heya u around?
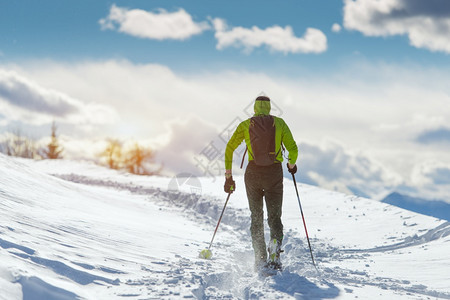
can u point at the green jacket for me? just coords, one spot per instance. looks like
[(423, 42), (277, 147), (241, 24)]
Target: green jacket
[(282, 135)]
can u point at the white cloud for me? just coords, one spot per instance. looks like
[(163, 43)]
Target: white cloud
[(431, 172), (377, 109), (275, 38), (426, 24), (430, 179), (383, 104), (148, 95), (331, 165), (336, 27), (21, 98), (180, 25), (185, 141), (158, 25), (23, 93)]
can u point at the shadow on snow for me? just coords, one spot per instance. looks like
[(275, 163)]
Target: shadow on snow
[(300, 287)]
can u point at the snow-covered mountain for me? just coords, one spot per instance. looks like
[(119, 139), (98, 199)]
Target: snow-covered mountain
[(435, 208), (73, 230)]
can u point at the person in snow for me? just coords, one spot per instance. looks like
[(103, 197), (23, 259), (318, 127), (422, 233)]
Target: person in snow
[(264, 136)]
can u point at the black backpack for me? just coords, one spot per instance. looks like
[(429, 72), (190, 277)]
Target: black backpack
[(262, 140)]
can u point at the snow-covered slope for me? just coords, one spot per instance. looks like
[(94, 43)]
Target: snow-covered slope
[(73, 230)]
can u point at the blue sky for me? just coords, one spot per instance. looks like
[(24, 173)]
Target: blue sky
[(70, 31), (363, 84)]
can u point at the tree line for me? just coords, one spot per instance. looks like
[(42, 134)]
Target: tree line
[(136, 159), (20, 145)]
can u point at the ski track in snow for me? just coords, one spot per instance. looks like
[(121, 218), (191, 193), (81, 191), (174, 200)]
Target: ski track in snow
[(136, 275)]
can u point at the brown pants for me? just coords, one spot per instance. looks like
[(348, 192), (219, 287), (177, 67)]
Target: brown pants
[(264, 182)]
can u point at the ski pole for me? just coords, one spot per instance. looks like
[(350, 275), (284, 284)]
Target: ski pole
[(218, 222), (207, 252), (304, 223)]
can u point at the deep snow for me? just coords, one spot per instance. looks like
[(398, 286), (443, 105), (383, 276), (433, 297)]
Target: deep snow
[(74, 230)]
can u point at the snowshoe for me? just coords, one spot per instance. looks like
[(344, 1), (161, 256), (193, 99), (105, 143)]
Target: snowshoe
[(274, 261)]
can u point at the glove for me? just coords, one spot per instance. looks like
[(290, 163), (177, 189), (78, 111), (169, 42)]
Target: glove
[(230, 185), (293, 170)]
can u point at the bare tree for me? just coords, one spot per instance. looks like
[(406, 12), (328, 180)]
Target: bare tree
[(20, 146), (138, 159), (113, 153)]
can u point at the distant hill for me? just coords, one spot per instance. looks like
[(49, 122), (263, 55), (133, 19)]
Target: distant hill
[(435, 208)]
